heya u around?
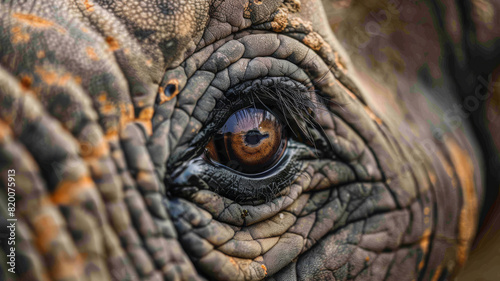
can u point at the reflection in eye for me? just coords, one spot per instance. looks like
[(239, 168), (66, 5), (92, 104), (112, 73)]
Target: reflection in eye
[(251, 141)]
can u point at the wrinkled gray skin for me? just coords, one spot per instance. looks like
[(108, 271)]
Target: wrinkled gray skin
[(106, 107)]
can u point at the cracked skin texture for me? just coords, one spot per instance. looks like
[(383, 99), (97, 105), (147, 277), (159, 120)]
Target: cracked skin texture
[(104, 108)]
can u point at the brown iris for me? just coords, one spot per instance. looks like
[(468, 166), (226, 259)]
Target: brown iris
[(251, 141)]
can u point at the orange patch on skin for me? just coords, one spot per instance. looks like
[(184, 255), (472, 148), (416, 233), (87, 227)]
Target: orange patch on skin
[(18, 36), (88, 6), (314, 41), (340, 62), (111, 135), (67, 190), (280, 20), (146, 113), (145, 117), (46, 230), (421, 264), (432, 178), (47, 76), (233, 262), (68, 267), (52, 78), (112, 43), (353, 96), (127, 114), (247, 11), (64, 78), (469, 213), (300, 23), (95, 152), (107, 108), (33, 20), (4, 131), (161, 92), (372, 115), (36, 21), (91, 53), (437, 273), (102, 97), (367, 259), (424, 240), (265, 269), (143, 176), (447, 167)]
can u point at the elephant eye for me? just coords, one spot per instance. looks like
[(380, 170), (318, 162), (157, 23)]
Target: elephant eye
[(251, 141)]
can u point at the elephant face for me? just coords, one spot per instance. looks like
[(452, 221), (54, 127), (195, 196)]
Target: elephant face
[(222, 140)]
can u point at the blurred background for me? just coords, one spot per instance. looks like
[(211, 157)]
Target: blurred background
[(396, 44)]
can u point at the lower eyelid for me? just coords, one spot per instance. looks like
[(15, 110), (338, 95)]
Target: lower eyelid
[(243, 96), (198, 172)]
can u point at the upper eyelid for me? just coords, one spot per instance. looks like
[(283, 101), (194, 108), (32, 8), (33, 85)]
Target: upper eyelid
[(291, 97)]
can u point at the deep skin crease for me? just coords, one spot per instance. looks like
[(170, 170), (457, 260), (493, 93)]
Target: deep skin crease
[(106, 107)]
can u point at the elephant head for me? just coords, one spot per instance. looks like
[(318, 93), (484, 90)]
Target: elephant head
[(225, 140)]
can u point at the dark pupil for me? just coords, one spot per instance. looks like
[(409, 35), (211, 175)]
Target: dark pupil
[(253, 137)]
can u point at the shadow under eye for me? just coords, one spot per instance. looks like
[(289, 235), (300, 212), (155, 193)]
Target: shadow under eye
[(199, 174)]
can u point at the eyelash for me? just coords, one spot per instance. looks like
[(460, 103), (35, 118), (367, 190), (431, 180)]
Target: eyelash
[(293, 104), (290, 99)]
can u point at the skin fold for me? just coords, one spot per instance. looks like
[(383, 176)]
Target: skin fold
[(106, 108)]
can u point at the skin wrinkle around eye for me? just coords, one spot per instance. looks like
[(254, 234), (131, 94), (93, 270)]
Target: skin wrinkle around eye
[(295, 210), (299, 55), (367, 205), (233, 213)]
